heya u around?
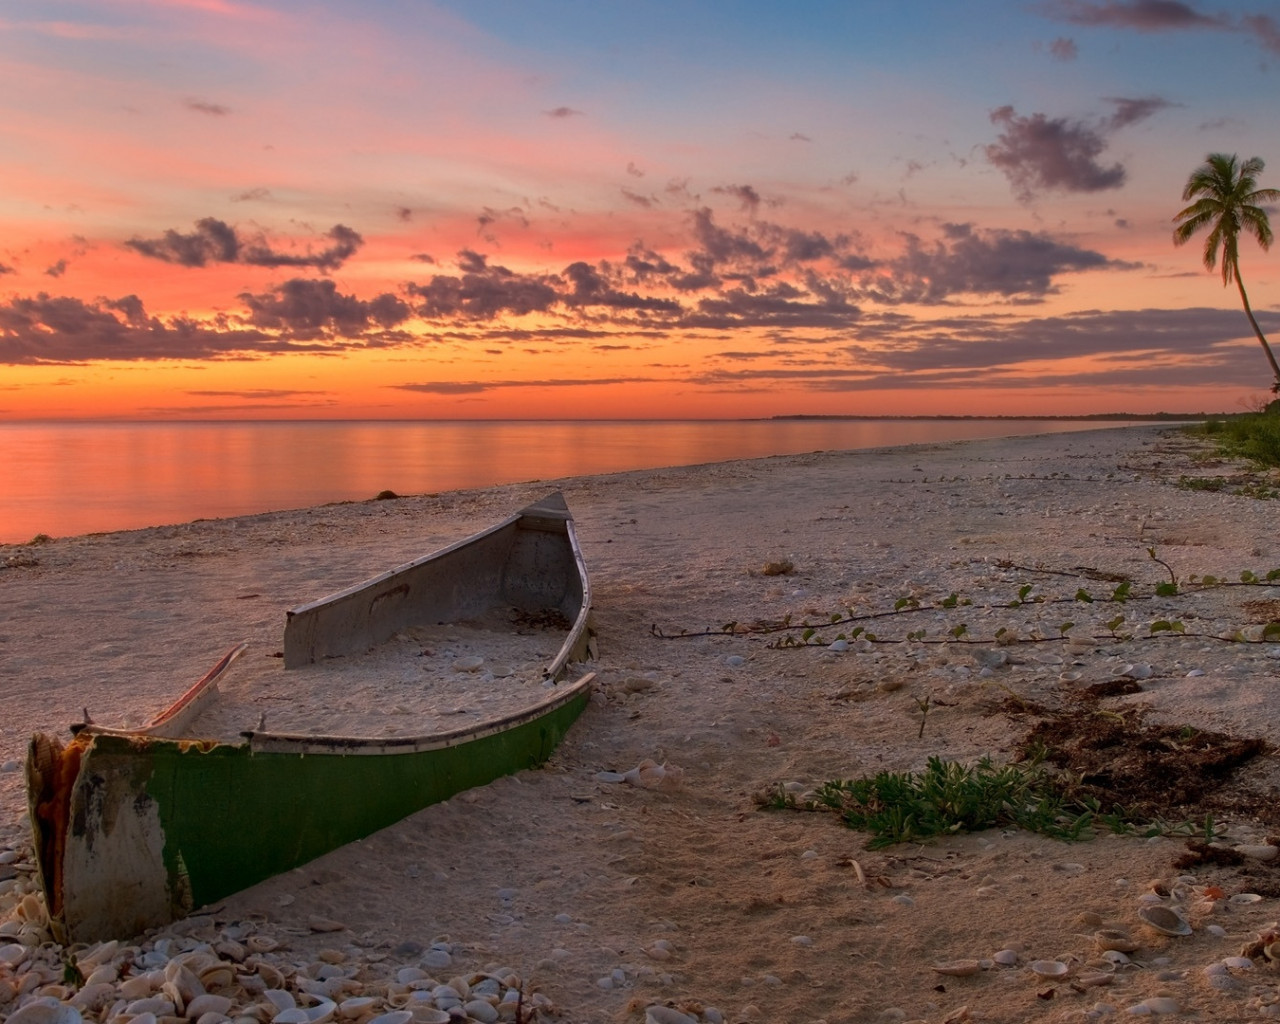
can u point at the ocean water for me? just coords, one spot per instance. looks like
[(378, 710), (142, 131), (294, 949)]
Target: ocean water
[(64, 479)]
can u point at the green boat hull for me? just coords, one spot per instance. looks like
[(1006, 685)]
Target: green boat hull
[(134, 828), (157, 828)]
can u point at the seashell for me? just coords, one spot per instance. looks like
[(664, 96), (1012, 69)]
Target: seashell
[(137, 987), (1165, 920), (183, 981), (633, 775), (393, 1017), (207, 1003), (158, 1005), (1261, 851), (231, 949), (98, 955), (219, 975), (261, 944), (481, 1010), (280, 999), (31, 908), (94, 997), (1114, 956), (170, 992), (270, 975), (1161, 1004), (1244, 898), (321, 1012), (958, 968), (1007, 957), (430, 1015), (1114, 938), (107, 974), (1240, 963), (1049, 968), (1093, 979), (13, 954), (350, 1009), (51, 1012)]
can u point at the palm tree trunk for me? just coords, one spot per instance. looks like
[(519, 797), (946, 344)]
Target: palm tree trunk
[(1275, 367)]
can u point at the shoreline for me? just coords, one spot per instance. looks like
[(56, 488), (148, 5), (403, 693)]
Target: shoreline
[(72, 481), (696, 896)]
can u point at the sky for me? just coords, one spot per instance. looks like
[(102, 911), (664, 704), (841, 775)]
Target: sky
[(262, 209)]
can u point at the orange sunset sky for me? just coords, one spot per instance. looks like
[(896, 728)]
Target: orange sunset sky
[(524, 208)]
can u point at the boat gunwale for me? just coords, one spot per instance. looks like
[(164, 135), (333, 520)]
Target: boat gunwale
[(305, 743)]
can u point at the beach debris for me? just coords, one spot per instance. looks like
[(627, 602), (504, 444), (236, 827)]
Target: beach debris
[(1242, 899), (778, 567), (1115, 938), (959, 968), (648, 774), (1165, 920), (666, 1015), (1049, 968)]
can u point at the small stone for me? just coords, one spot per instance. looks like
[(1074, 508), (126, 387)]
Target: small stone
[(437, 958), (666, 1015), (1161, 1004), (471, 663)]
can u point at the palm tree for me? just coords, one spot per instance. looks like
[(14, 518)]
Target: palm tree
[(1228, 202)]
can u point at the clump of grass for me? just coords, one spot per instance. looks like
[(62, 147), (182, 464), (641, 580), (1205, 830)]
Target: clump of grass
[(385, 496), (1201, 483), (1253, 436), (38, 539), (948, 797)]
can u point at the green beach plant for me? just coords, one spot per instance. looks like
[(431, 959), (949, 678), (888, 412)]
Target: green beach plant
[(1228, 201), (949, 797)]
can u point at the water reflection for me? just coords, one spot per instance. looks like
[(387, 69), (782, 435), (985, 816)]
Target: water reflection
[(71, 478)]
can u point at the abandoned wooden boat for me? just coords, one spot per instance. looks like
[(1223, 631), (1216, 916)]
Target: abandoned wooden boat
[(134, 828)]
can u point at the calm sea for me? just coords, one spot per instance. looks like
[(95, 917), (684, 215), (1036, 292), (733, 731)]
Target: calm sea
[(63, 479)]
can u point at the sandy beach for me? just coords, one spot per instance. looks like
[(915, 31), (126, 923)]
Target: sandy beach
[(609, 898)]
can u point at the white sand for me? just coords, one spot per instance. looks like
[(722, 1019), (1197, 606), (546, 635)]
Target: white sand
[(121, 623)]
